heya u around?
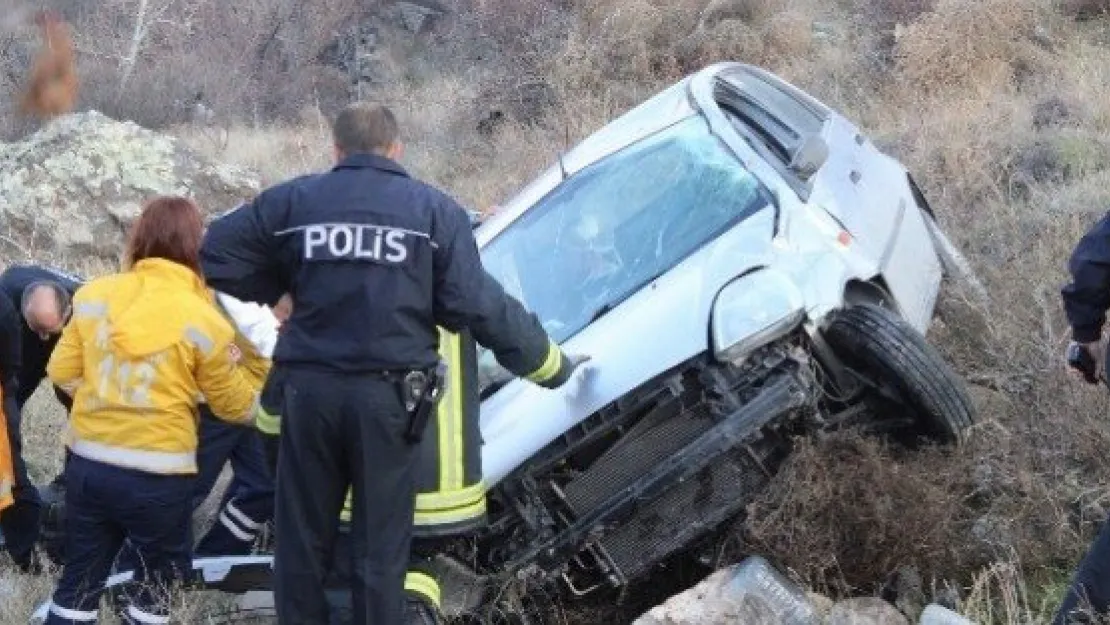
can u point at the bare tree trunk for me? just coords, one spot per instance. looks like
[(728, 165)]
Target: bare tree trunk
[(137, 37)]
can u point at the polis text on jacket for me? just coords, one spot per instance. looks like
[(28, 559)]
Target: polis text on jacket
[(355, 242)]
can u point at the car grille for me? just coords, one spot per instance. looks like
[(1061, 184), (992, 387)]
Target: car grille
[(621, 466), (685, 513)]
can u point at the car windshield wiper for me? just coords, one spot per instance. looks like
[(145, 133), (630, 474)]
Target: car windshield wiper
[(608, 306), (602, 311)]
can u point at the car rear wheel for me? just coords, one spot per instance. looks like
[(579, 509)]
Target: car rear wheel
[(896, 359)]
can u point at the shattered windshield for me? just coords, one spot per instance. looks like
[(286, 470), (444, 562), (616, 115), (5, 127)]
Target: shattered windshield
[(617, 225)]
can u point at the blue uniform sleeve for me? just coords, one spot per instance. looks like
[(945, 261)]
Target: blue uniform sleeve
[(11, 347), (239, 253), (467, 296), (1087, 296)]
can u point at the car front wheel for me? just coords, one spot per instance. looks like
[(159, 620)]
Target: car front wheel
[(904, 372)]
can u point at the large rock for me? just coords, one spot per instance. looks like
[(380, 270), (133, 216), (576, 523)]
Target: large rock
[(71, 189), (752, 592), (865, 611)]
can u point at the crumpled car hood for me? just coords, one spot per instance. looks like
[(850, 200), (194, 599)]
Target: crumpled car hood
[(662, 325)]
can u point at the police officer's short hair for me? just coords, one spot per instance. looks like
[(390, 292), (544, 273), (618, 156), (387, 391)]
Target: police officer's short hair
[(364, 127)]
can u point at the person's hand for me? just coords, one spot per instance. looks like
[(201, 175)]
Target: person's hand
[(282, 310), (234, 353), (577, 360), (1085, 361), (573, 363)]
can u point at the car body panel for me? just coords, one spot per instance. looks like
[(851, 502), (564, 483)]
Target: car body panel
[(522, 417), (667, 321)]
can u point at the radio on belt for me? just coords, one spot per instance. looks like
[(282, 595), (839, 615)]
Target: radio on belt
[(422, 391)]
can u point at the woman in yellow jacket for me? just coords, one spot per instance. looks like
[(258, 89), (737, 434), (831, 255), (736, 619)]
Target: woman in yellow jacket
[(144, 347)]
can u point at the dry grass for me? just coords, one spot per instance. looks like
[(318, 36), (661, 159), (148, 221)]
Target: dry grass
[(1000, 109)]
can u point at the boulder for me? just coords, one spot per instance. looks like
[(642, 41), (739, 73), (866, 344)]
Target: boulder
[(865, 611), (752, 592), (71, 189), (707, 603)]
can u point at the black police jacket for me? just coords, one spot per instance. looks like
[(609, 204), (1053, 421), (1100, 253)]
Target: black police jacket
[(374, 260), (33, 352), (1087, 296), (11, 347)]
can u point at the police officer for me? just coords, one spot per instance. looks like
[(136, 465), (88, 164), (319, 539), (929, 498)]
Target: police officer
[(374, 261), (42, 297), (1086, 299), (451, 497)]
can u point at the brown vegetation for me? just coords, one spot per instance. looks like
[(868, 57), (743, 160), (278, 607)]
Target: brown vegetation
[(999, 107)]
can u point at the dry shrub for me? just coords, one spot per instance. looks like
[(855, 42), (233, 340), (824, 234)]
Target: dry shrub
[(1084, 9), (886, 14), (752, 11), (844, 513), (773, 43), (1083, 76), (275, 153), (960, 149), (965, 45)]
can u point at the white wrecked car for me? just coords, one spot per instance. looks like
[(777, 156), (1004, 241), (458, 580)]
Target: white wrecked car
[(742, 265)]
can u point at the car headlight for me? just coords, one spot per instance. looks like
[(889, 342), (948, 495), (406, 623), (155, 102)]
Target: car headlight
[(752, 311)]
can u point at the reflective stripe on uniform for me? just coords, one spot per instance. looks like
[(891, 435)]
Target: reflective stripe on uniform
[(93, 309), (447, 499), (234, 528), (550, 365), (82, 616), (424, 585), (71, 386), (440, 508), (239, 524), (267, 423), (449, 417), (142, 616), (153, 461), (452, 515), (241, 517)]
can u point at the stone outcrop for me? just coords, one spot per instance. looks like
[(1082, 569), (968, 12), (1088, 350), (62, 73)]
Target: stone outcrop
[(70, 190)]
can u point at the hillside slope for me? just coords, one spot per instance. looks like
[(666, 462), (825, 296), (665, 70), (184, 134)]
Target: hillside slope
[(999, 107)]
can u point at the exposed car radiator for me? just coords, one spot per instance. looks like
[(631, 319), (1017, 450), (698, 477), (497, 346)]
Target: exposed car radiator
[(688, 509), (635, 455), (685, 513)]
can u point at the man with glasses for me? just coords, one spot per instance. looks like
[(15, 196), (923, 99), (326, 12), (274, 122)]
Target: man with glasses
[(42, 299)]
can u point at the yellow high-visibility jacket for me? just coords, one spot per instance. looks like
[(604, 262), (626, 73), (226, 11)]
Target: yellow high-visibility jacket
[(143, 347), (7, 471)]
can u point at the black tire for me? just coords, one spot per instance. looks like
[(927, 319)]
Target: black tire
[(874, 341)]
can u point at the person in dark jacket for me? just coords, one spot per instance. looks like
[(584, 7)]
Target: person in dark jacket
[(1086, 299), (373, 261), (41, 297)]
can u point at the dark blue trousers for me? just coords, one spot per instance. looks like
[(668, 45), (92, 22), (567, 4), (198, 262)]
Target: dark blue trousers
[(248, 502), (1089, 593), (105, 505), (20, 522)]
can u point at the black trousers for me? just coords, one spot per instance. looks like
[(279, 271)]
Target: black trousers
[(1089, 593), (20, 523), (341, 431)]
